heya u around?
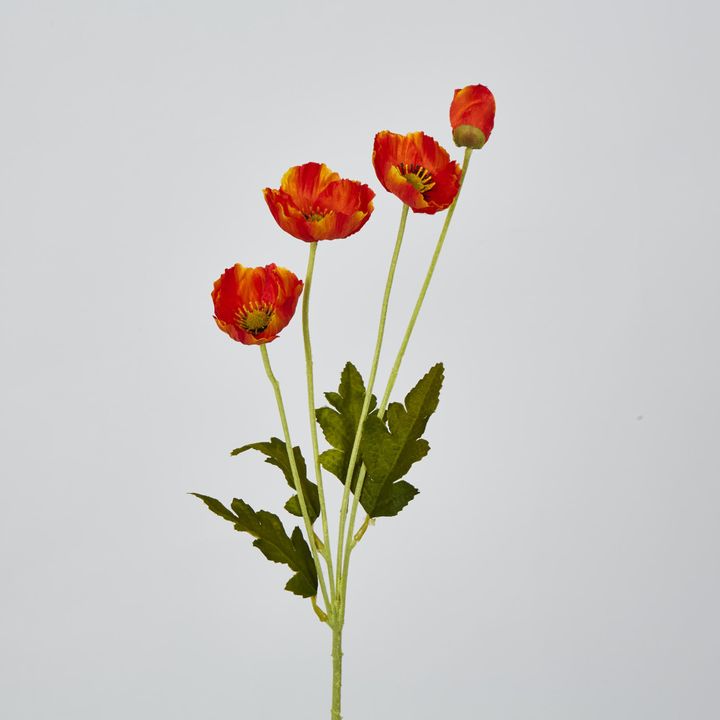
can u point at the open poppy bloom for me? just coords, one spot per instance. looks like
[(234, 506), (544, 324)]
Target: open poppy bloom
[(252, 305), (416, 169), (315, 203), (472, 116)]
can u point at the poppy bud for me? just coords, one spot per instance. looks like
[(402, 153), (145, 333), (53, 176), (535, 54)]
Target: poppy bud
[(472, 115)]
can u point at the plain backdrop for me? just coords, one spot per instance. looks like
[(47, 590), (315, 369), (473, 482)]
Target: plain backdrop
[(562, 559)]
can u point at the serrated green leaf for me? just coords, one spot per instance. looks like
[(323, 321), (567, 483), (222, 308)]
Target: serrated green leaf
[(304, 582), (335, 399), (246, 519), (340, 424), (334, 462), (293, 506), (276, 454), (389, 451), (391, 503), (272, 541), (216, 506)]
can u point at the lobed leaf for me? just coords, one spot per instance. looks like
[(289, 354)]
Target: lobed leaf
[(276, 454), (339, 423), (272, 541), (389, 451)]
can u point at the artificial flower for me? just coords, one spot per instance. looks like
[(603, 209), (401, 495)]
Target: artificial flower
[(314, 203), (416, 169), (252, 305), (472, 116)]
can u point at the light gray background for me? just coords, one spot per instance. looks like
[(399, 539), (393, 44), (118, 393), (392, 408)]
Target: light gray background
[(561, 561)]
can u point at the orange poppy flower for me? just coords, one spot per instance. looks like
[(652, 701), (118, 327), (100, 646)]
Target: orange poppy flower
[(252, 305), (416, 169), (472, 116), (315, 203)]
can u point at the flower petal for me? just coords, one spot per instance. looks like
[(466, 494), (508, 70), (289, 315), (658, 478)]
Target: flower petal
[(399, 157), (447, 184), (305, 182), (240, 289), (314, 203), (287, 215), (474, 106)]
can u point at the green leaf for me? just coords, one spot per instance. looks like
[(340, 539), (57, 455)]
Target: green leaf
[(339, 423), (272, 541), (334, 462), (389, 451), (392, 502), (216, 506), (277, 455)]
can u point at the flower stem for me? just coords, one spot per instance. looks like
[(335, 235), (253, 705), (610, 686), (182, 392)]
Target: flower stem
[(398, 360), (326, 552), (296, 477), (423, 289), (366, 404)]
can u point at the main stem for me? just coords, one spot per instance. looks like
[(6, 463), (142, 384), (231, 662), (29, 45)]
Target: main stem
[(296, 476), (344, 562), (366, 405), (338, 616), (327, 554), (337, 672)]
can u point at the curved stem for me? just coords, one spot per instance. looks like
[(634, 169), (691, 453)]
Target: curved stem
[(296, 477), (345, 561), (366, 405), (423, 289), (327, 551)]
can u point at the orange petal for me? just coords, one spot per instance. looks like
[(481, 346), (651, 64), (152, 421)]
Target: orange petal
[(473, 105), (287, 215), (240, 288), (303, 183)]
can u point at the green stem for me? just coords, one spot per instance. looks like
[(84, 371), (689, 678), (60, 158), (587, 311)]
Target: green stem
[(337, 672), (423, 289), (363, 528), (296, 477), (322, 615), (345, 561), (327, 552), (366, 403)]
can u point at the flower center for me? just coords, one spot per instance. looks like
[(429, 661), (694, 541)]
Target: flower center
[(315, 215), (417, 176), (254, 319)]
